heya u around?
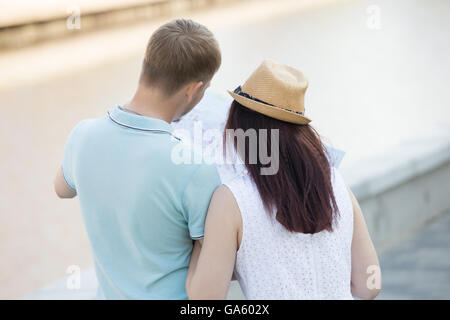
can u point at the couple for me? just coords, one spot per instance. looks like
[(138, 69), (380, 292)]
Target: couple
[(161, 230)]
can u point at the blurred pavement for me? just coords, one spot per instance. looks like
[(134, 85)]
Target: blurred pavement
[(418, 268)]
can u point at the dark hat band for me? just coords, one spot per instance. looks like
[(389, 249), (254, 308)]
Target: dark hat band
[(239, 91)]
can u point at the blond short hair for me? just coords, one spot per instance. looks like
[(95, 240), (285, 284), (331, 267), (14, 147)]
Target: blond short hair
[(179, 52)]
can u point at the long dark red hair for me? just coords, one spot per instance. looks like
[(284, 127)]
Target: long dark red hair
[(301, 192)]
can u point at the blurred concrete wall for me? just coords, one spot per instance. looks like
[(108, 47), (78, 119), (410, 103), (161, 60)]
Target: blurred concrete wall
[(403, 188), (24, 22)]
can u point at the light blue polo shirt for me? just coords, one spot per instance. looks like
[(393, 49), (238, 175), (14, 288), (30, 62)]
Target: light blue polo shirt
[(141, 210)]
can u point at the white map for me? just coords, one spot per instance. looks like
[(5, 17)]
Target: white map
[(209, 118)]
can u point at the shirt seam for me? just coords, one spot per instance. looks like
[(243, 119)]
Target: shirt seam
[(71, 186)]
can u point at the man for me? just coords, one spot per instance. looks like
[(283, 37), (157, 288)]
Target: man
[(141, 210)]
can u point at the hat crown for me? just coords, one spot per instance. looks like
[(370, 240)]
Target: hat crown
[(278, 84)]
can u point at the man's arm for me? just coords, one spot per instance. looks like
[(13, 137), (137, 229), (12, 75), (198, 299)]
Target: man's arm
[(62, 189)]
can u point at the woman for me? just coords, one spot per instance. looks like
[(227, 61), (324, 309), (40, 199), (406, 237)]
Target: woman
[(298, 233)]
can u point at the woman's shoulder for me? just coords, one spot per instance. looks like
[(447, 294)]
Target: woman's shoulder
[(223, 195), (224, 206)]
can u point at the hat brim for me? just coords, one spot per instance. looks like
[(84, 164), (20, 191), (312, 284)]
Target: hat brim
[(270, 111)]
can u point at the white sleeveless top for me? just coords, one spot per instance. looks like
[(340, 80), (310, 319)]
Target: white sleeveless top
[(273, 263)]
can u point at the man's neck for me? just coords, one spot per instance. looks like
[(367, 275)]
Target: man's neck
[(151, 103)]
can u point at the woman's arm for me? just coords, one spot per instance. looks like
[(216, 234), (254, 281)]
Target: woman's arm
[(212, 265), (366, 272), (193, 264)]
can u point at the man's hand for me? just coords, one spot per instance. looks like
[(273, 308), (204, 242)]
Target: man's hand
[(62, 189)]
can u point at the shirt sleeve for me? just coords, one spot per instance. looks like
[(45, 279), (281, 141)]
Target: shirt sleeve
[(196, 197), (67, 164)]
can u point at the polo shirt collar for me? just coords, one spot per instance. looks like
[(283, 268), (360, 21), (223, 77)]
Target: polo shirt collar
[(137, 122)]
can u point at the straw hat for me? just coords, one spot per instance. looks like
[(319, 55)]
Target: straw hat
[(275, 90)]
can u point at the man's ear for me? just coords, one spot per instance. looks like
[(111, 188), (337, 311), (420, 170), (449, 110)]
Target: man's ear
[(192, 89)]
